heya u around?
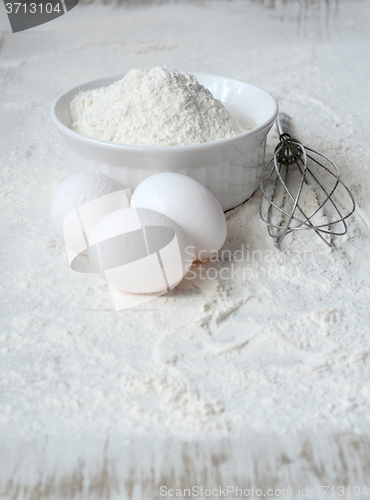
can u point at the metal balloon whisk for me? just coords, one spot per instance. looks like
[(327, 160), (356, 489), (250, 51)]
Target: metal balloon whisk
[(298, 191)]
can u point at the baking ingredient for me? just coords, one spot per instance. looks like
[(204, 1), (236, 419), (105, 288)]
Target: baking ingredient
[(140, 251), (156, 107), (72, 206), (190, 204)]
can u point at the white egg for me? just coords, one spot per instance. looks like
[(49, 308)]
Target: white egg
[(140, 251), (188, 203), (80, 202)]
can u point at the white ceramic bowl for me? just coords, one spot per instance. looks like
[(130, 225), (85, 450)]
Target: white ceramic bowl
[(230, 168)]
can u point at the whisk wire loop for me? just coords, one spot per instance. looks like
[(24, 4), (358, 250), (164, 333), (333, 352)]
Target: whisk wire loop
[(285, 213)]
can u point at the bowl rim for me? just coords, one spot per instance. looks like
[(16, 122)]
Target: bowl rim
[(63, 129)]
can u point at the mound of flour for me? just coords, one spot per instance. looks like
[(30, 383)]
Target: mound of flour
[(156, 107)]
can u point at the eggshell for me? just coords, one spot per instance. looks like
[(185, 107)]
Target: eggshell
[(80, 202), (188, 203), (140, 251)]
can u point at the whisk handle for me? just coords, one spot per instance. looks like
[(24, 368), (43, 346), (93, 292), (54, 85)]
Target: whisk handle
[(282, 124)]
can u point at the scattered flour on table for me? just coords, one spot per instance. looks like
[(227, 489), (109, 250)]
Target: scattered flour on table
[(156, 107)]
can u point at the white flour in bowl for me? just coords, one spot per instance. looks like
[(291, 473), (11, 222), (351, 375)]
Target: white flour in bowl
[(156, 107)]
